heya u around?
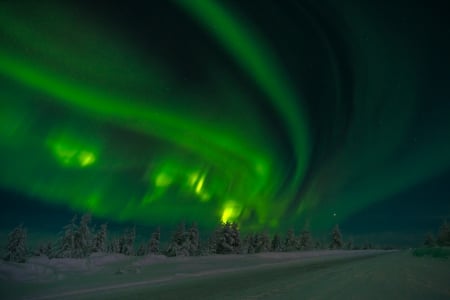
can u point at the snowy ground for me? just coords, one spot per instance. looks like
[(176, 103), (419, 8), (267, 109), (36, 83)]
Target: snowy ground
[(301, 275)]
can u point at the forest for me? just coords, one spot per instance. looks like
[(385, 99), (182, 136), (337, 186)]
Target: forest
[(79, 238)]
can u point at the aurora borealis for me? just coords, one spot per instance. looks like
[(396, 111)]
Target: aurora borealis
[(273, 114)]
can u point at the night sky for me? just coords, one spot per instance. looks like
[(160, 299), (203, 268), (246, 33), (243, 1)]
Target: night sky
[(273, 114)]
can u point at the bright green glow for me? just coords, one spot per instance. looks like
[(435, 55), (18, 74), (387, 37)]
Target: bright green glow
[(70, 152), (225, 161), (231, 211), (204, 196), (93, 201), (193, 178), (163, 180), (200, 191), (153, 122), (86, 158), (227, 212), (255, 58), (100, 123), (199, 186)]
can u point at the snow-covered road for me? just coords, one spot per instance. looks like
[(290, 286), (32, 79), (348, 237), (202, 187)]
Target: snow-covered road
[(313, 275)]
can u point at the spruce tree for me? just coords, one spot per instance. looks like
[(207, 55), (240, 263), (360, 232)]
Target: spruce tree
[(45, 249), (66, 247), (48, 250), (236, 238), (142, 250), (349, 245), (223, 233), (290, 243), (368, 245), (211, 247), (429, 241), (228, 239), (318, 245), (83, 237), (114, 246), (153, 245), (76, 240), (16, 249), (336, 238), (444, 234), (99, 242), (257, 242), (305, 241), (276, 243), (126, 242), (179, 244), (262, 242), (249, 243), (194, 237)]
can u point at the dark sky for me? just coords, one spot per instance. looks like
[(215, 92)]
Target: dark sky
[(273, 114)]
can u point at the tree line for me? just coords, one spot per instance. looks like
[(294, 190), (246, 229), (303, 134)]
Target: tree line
[(80, 239), (442, 239)]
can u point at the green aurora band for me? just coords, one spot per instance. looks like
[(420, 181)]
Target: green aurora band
[(91, 120)]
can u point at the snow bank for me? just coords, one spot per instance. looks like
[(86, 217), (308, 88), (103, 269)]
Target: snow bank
[(103, 259), (316, 253), (24, 271), (150, 260), (41, 268)]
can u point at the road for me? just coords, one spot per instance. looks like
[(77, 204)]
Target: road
[(390, 276)]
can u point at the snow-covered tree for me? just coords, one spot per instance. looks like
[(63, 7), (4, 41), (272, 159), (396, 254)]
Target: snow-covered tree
[(367, 245), (349, 244), (262, 242), (319, 245), (194, 240), (256, 243), (66, 246), (336, 238), (45, 249), (16, 249), (99, 242), (142, 250), (305, 241), (211, 246), (223, 236), (236, 238), (179, 244), (276, 243), (429, 240), (153, 244), (126, 241), (83, 238), (443, 238), (248, 244), (290, 243), (114, 246), (76, 239), (356, 247), (228, 239)]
